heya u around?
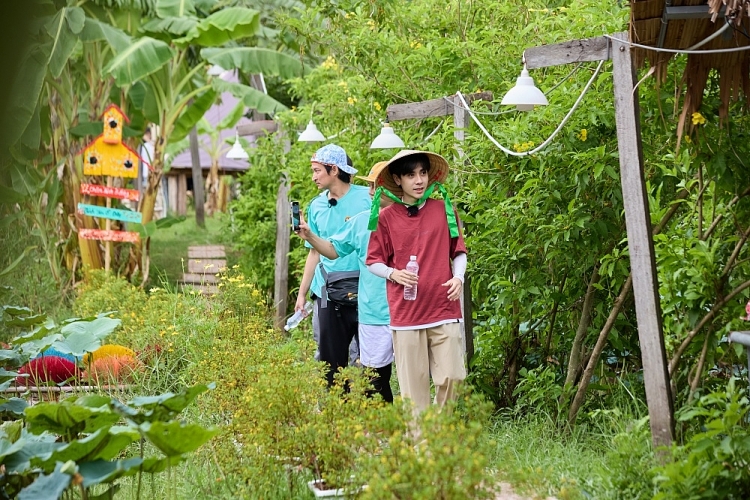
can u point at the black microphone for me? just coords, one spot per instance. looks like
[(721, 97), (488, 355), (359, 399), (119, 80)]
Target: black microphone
[(332, 202), (412, 210)]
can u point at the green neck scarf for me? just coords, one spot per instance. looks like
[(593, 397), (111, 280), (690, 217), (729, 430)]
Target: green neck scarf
[(449, 213)]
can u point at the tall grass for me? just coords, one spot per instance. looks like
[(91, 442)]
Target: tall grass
[(31, 283)]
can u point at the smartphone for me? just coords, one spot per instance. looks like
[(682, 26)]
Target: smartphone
[(295, 216)]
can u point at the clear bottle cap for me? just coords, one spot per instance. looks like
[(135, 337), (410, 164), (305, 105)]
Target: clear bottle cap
[(413, 257)]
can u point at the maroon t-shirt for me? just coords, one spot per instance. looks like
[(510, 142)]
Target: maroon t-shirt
[(425, 235)]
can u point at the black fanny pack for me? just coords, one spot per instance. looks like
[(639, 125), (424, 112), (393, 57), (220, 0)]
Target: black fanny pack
[(341, 287)]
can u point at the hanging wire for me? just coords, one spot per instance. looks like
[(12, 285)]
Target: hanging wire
[(433, 132), (678, 51), (549, 139)]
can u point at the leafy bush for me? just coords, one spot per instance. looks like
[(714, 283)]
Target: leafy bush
[(51, 447), (714, 463), (445, 454), (626, 472)]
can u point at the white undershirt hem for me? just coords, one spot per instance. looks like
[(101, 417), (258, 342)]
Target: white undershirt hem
[(428, 325)]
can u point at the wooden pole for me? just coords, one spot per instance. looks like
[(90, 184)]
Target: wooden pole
[(198, 197), (637, 215), (461, 121), (281, 259), (281, 268), (641, 245), (108, 226)]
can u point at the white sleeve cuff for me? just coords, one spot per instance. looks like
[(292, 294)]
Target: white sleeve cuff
[(380, 269), (459, 266)]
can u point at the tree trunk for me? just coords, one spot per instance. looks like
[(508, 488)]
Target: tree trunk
[(597, 352), (213, 188), (574, 363)]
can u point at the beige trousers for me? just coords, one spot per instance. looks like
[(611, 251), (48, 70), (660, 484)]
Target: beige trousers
[(436, 351)]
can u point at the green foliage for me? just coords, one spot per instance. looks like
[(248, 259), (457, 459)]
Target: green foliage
[(47, 447), (713, 461), (626, 471), (538, 390), (447, 457)]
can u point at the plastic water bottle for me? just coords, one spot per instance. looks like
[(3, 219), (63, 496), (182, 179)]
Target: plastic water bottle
[(410, 292), (296, 318)]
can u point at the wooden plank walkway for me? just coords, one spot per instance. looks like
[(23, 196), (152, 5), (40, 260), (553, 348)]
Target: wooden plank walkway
[(203, 263)]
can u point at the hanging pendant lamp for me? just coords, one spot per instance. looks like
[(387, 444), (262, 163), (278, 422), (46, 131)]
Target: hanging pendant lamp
[(524, 95), (311, 134), (237, 152), (387, 139)]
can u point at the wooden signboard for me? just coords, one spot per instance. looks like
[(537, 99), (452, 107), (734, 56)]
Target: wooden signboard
[(109, 213), (104, 235), (110, 192)]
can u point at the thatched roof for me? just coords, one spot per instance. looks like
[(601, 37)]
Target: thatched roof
[(680, 24)]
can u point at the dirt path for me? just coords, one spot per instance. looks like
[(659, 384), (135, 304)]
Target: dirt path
[(507, 493)]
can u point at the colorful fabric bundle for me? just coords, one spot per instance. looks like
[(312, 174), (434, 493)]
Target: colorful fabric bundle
[(46, 369), (106, 351)]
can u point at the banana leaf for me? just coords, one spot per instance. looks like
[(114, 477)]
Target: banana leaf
[(255, 60), (143, 57), (232, 23)]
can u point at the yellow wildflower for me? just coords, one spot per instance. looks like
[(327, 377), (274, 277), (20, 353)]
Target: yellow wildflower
[(688, 139), (698, 119), (329, 63), (351, 100), (377, 105), (583, 135)]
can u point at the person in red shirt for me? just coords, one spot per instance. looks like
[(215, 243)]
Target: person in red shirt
[(426, 331)]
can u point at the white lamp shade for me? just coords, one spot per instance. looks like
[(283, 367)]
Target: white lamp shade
[(387, 139), (237, 152), (311, 134), (525, 95)]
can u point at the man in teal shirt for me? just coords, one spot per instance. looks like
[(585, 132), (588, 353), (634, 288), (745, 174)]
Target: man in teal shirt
[(327, 213), (375, 341)]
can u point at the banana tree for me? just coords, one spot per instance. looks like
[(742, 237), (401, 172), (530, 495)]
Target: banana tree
[(168, 83)]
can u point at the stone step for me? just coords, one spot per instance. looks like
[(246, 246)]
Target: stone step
[(206, 252), (206, 266), (199, 278), (204, 289)]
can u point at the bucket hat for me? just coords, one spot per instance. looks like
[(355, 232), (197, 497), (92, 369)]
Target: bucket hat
[(374, 172), (333, 156), (438, 170)]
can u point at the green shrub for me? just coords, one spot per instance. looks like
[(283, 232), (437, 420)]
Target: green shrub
[(538, 391), (714, 463), (626, 470), (446, 456)]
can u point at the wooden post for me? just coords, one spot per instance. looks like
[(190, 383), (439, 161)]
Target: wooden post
[(281, 260), (461, 121), (641, 245), (108, 226), (637, 215), (198, 198), (181, 194), (281, 268), (172, 193)]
